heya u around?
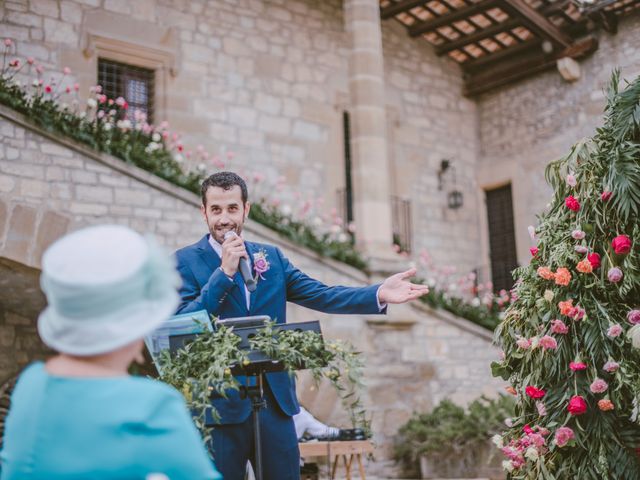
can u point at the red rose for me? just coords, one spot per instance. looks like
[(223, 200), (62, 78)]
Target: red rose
[(606, 195), (577, 405), (534, 251), (594, 260), (572, 203), (621, 244), (527, 429), (534, 392)]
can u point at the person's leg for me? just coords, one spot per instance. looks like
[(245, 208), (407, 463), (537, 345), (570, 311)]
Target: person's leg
[(232, 447), (280, 454)]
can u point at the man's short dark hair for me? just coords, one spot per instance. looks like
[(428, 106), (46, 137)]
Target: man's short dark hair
[(225, 181)]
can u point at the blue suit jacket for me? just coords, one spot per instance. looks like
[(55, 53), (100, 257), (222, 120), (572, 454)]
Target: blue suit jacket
[(205, 286)]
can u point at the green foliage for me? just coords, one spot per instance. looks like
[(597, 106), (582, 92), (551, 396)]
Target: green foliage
[(204, 366), (605, 441), (450, 431), (303, 234), (485, 316), (131, 145)]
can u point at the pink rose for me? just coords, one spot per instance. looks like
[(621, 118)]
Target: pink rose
[(577, 366), (548, 343), (571, 180), (606, 195), (563, 436), (621, 244), (614, 275), (558, 326), (611, 366), (572, 203), (534, 251), (542, 410), (523, 343), (581, 249), (633, 317), (578, 234), (260, 265), (614, 331), (599, 386)]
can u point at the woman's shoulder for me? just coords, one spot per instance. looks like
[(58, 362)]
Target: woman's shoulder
[(153, 388)]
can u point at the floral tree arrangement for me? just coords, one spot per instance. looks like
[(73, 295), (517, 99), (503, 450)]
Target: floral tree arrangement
[(205, 365), (571, 338)]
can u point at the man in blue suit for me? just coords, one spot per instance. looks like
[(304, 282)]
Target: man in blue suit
[(211, 281)]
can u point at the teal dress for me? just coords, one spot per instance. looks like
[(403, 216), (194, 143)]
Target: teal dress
[(114, 428)]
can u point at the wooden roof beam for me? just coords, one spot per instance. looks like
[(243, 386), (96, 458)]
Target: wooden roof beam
[(523, 67), (538, 22), (448, 18), (477, 36), (399, 7)]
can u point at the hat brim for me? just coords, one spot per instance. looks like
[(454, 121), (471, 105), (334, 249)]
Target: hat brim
[(95, 336)]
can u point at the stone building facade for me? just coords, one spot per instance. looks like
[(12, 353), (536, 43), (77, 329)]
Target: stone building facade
[(270, 80), (415, 356)]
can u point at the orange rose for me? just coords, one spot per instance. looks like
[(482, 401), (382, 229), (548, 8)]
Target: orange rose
[(565, 307), (584, 266), (563, 277), (605, 405), (511, 390), (546, 273)]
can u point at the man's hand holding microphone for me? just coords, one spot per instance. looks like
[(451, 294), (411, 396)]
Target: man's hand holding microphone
[(234, 257)]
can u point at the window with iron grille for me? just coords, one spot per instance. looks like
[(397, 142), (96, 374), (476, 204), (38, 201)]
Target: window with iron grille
[(502, 240), (135, 84)]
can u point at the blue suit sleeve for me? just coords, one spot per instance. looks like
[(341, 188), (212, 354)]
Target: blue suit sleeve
[(211, 297), (311, 293)]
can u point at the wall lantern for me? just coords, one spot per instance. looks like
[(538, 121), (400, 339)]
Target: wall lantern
[(454, 197)]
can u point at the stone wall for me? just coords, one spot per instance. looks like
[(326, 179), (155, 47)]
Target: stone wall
[(268, 79), (430, 121), (415, 356), (524, 126)]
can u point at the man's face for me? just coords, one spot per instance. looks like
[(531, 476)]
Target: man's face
[(224, 211)]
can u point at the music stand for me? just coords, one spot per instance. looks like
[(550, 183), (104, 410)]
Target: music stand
[(259, 364)]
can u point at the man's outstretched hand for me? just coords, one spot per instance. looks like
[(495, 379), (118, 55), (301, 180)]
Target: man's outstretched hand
[(398, 289)]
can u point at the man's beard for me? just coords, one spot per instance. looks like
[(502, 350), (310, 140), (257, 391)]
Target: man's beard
[(218, 232)]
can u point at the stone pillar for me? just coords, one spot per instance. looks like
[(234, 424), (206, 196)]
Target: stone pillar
[(370, 167)]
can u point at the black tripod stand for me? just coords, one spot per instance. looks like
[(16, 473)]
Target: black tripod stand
[(256, 394)]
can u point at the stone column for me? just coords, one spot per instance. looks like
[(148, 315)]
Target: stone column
[(370, 167)]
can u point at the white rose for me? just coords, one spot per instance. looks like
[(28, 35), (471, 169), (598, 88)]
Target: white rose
[(475, 302), (91, 102), (531, 454), (107, 126), (548, 295), (634, 335), (343, 237), (285, 210), (156, 137), (507, 465), (497, 440)]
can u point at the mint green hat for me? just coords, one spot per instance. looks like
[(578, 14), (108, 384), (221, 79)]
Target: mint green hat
[(106, 286)]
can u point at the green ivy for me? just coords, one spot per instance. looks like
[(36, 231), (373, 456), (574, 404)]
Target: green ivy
[(204, 366)]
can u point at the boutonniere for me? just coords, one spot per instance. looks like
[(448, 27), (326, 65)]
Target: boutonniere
[(260, 264)]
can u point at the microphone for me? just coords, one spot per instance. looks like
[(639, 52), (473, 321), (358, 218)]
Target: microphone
[(244, 267)]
